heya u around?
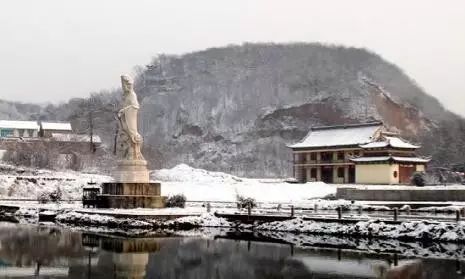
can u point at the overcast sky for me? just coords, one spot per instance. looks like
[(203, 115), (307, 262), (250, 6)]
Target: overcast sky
[(51, 50)]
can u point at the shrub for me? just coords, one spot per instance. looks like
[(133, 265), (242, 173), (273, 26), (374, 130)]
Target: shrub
[(418, 179), (43, 197), (244, 202), (55, 196), (178, 200)]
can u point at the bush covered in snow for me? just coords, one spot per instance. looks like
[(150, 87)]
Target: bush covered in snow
[(245, 202), (418, 179), (47, 196), (56, 195), (178, 200), (43, 197)]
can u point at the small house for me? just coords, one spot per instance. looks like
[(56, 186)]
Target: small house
[(18, 129), (47, 129)]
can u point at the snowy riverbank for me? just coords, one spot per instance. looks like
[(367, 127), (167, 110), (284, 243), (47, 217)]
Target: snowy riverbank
[(434, 231)]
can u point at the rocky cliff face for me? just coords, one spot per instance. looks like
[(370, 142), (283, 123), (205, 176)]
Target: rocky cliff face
[(235, 108)]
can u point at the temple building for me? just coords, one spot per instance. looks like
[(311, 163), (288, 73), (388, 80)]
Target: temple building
[(358, 153)]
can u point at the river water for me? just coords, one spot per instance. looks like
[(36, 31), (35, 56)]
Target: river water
[(30, 251)]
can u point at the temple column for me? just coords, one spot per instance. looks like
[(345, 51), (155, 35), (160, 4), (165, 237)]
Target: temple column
[(346, 174)]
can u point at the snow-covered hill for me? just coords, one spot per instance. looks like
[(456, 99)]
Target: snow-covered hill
[(234, 108), (202, 185)]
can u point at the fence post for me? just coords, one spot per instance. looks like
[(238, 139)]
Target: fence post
[(209, 207), (462, 210), (408, 209), (249, 210), (396, 213), (315, 208), (359, 210), (339, 212), (292, 210), (457, 215)]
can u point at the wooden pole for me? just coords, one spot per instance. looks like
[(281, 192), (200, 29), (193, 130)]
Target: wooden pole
[(339, 212), (396, 213)]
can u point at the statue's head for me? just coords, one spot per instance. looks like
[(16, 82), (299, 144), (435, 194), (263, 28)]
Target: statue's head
[(127, 83)]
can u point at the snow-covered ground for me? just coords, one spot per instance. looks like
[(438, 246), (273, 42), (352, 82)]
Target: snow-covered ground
[(202, 185), (195, 184), (27, 183)]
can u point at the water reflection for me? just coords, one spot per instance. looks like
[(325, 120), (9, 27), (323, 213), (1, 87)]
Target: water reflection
[(45, 252)]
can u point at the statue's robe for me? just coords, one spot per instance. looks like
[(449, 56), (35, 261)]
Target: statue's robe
[(128, 122)]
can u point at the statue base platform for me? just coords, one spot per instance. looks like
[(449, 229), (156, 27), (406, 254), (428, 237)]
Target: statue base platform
[(131, 195), (132, 171)]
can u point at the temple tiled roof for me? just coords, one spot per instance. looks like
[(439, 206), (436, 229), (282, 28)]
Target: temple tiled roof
[(390, 158), (343, 135), (392, 142)]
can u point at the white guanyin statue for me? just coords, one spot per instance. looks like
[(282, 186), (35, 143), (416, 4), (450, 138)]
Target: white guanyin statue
[(129, 139)]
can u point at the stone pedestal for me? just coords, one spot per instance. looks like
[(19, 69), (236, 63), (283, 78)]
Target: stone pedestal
[(131, 171), (131, 195), (131, 188)]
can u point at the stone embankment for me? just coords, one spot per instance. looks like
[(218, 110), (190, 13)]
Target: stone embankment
[(419, 230)]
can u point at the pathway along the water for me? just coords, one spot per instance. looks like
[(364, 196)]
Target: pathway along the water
[(30, 251)]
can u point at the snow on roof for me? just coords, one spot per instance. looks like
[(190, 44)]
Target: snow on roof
[(390, 141), (410, 159), (375, 144), (346, 135), (387, 158), (371, 159), (56, 126), (75, 138), (11, 124), (400, 143)]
